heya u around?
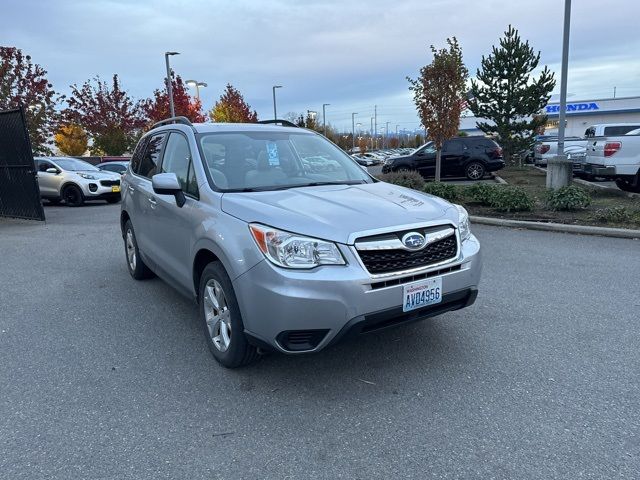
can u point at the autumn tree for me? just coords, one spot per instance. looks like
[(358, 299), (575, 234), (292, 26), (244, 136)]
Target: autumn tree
[(437, 93), (394, 142), (310, 120), (111, 117), (506, 95), (231, 108), (23, 83), (157, 108), (362, 145), (71, 140)]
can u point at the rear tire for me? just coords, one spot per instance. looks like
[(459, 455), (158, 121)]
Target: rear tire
[(137, 268), (73, 196), (627, 186), (221, 319), (474, 171)]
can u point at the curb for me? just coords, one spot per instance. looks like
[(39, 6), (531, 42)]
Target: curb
[(499, 179), (558, 227)]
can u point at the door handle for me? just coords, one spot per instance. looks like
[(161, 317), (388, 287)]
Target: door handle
[(152, 201), (131, 190)]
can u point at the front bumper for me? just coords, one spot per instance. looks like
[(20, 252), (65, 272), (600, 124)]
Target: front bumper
[(337, 301), (94, 190)]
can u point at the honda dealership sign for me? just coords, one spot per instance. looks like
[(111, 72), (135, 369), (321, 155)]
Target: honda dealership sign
[(574, 107)]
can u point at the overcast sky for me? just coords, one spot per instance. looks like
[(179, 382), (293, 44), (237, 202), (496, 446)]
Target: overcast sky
[(351, 54)]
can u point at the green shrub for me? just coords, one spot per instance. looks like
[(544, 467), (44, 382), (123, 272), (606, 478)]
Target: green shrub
[(449, 192), (482, 192), (614, 215), (511, 199), (570, 197), (405, 178)]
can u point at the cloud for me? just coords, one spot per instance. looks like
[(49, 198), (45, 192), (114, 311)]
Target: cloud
[(352, 54)]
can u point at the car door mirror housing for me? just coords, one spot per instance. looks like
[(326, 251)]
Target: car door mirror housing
[(167, 184), (52, 170)]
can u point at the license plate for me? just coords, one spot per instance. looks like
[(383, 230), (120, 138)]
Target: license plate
[(421, 294), (115, 189)]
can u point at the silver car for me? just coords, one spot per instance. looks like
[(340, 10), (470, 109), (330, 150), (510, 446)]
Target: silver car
[(282, 257), (75, 181)]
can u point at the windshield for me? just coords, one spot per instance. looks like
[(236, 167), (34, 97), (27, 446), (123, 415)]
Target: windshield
[(74, 165), (427, 148), (254, 161)]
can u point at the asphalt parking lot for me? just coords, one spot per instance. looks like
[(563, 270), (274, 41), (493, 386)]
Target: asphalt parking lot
[(105, 377)]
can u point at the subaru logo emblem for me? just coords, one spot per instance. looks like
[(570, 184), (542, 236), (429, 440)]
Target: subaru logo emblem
[(413, 241)]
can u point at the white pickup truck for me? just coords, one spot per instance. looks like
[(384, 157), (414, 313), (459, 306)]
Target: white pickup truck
[(575, 147), (616, 158)]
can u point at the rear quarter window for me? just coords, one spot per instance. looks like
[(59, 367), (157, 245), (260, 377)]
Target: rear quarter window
[(619, 130)]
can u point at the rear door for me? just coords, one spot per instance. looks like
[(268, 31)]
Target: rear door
[(172, 226), (453, 157), (141, 199)]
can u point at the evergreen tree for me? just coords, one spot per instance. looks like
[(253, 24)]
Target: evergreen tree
[(506, 95)]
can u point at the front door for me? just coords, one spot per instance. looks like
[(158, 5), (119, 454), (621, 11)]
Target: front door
[(173, 226), (49, 183)]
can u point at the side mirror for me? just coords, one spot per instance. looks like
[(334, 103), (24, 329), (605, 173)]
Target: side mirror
[(420, 153), (167, 184), (52, 170)]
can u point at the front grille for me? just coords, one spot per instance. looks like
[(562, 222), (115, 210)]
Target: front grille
[(109, 183), (388, 261)]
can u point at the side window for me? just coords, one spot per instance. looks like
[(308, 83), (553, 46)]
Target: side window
[(453, 147), (177, 159), (43, 165), (149, 162), (138, 153)]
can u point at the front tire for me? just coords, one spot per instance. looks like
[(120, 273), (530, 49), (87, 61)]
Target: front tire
[(73, 196), (137, 268), (221, 319), (474, 171)]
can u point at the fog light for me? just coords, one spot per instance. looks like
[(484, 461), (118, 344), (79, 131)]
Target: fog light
[(93, 187)]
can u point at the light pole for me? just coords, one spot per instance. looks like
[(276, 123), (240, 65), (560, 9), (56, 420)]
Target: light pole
[(169, 84), (324, 118), (353, 132), (372, 133), (386, 135), (197, 85), (560, 169), (275, 113)]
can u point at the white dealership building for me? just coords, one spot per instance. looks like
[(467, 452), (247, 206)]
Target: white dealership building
[(580, 115)]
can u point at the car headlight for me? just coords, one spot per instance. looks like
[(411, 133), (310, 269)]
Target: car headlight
[(294, 251), (87, 176), (463, 223)]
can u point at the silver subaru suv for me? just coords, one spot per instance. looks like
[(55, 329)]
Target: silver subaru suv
[(284, 241)]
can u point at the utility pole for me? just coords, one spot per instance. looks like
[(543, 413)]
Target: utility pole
[(614, 92), (324, 118), (353, 132), (560, 169)]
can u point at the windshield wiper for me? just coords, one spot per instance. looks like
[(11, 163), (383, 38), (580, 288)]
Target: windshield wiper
[(344, 182)]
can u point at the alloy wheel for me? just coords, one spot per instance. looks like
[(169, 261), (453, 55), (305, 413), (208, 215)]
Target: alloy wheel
[(475, 171), (217, 315), (131, 250)]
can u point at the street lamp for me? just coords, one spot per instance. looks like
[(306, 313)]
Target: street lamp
[(275, 113), (169, 85), (197, 85), (324, 118), (353, 132)]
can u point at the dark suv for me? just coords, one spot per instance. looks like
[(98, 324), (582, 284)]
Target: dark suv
[(469, 157)]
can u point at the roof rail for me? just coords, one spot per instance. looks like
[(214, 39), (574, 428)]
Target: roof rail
[(284, 123), (167, 121)]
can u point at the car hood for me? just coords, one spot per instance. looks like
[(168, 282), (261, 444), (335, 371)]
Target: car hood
[(335, 212)]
